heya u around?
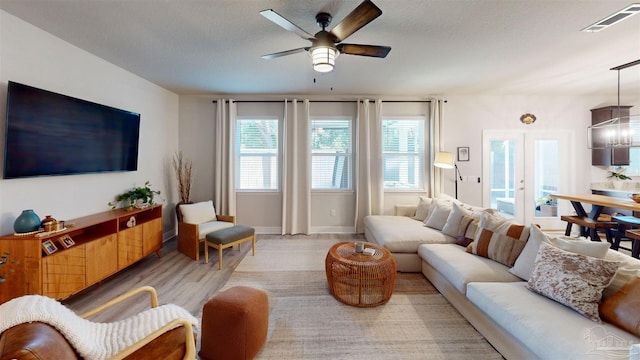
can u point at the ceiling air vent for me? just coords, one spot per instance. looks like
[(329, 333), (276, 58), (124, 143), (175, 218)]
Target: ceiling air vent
[(613, 18)]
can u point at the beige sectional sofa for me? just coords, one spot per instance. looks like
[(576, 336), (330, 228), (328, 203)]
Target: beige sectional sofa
[(496, 298)]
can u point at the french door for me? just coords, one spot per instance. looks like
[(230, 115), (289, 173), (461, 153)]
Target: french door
[(521, 169)]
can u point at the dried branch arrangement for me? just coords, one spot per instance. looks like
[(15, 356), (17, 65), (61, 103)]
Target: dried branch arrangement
[(182, 167)]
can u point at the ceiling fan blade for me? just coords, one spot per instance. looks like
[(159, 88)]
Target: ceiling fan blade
[(359, 17), (284, 53), (364, 50), (286, 24)]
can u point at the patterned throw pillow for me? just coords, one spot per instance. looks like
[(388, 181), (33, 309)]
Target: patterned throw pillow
[(467, 230), (523, 265), (499, 239), (571, 279), (452, 226)]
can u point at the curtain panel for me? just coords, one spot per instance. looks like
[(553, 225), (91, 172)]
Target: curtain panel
[(435, 122), (296, 179), (368, 178), (224, 188)]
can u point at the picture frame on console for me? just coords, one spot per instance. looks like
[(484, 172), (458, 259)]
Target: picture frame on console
[(49, 247), (66, 241)]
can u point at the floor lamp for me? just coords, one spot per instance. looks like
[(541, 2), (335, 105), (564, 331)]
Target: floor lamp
[(445, 160)]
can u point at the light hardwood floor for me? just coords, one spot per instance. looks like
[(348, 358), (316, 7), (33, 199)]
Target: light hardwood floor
[(177, 278)]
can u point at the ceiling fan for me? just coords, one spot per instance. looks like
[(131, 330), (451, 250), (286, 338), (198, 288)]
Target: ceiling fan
[(327, 45)]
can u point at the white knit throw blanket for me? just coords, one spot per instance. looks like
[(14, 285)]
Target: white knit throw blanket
[(90, 339)]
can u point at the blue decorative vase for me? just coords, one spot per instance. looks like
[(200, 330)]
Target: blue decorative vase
[(28, 221)]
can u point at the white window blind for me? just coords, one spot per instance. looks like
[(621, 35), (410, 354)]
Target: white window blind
[(331, 153), (257, 154), (403, 153)]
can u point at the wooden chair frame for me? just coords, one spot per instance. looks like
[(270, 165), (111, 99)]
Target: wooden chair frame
[(224, 246), (189, 239), (190, 345)]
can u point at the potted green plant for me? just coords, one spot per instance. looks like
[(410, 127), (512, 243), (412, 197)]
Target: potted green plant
[(618, 175), (138, 197), (547, 206)]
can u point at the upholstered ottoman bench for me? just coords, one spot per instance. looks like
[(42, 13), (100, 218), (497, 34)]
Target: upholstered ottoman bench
[(234, 324), (228, 237)]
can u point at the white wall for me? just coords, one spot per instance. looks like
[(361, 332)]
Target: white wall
[(465, 117), (31, 56)]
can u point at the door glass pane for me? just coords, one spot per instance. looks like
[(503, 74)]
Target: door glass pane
[(546, 177), (503, 173)]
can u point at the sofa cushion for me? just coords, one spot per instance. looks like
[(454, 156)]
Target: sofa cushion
[(211, 226), (499, 239), (623, 308), (548, 329), (402, 234), (524, 263), (460, 267), (422, 211), (571, 279), (452, 226), (198, 213), (439, 215)]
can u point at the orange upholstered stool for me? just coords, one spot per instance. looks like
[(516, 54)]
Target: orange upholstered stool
[(234, 324)]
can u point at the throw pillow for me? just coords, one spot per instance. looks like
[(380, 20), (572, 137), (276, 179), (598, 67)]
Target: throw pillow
[(571, 279), (524, 263), (467, 230), (439, 215), (451, 227), (629, 270), (198, 213), (445, 197), (499, 239), (623, 308), (423, 208)]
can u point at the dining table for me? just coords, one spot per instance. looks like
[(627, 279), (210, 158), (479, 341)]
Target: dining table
[(598, 203)]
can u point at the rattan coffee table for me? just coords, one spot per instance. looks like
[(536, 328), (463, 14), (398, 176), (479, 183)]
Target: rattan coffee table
[(358, 279)]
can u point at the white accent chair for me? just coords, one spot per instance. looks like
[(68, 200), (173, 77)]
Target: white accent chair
[(195, 221)]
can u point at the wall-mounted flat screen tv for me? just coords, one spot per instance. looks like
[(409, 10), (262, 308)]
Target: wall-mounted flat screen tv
[(54, 134)]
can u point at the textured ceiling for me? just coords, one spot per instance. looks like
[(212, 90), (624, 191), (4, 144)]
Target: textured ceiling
[(438, 47)]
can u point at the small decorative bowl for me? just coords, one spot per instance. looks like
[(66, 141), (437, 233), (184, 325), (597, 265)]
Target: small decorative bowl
[(635, 197)]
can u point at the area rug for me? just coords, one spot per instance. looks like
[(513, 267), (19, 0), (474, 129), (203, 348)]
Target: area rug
[(306, 322)]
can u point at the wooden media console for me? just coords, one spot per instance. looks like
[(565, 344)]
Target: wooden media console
[(105, 243)]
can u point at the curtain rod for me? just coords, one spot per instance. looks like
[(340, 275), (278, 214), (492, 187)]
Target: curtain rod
[(328, 101)]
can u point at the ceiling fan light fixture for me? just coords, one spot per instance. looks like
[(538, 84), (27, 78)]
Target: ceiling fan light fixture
[(323, 58)]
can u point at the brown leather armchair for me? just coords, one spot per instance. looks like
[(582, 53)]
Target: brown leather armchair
[(37, 340)]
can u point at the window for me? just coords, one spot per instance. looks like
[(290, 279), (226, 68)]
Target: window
[(257, 154), (403, 153), (331, 154)]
